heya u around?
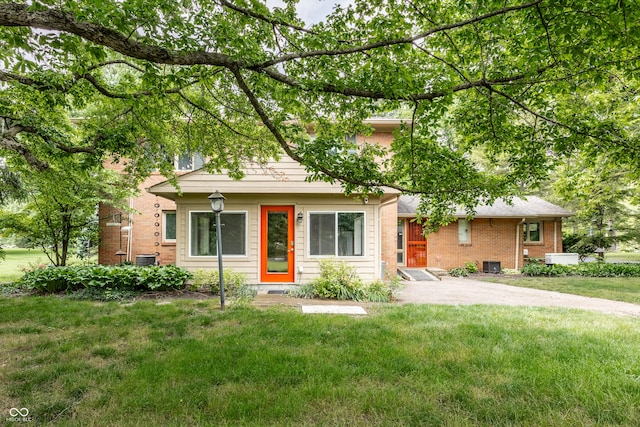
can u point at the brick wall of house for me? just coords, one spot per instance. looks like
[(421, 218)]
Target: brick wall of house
[(143, 228), (389, 221), (538, 250), (491, 240)]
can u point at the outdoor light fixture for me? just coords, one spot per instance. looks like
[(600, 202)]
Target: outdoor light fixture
[(217, 205), (300, 217), (120, 253), (217, 201)]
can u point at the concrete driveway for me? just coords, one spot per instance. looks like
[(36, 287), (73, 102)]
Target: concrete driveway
[(461, 291)]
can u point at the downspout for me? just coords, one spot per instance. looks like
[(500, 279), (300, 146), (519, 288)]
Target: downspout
[(555, 236), (517, 263), (129, 243), (379, 245)]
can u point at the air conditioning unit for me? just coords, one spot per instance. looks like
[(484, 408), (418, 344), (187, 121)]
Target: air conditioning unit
[(561, 258), (491, 267)]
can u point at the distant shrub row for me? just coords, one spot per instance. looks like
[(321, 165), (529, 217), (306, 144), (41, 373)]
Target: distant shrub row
[(122, 278), (590, 269)]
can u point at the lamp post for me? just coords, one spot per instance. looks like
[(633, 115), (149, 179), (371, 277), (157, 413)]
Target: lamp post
[(217, 205)]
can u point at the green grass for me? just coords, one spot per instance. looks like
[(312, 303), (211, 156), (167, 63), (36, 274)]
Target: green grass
[(623, 256), (17, 259), (81, 363), (625, 289)]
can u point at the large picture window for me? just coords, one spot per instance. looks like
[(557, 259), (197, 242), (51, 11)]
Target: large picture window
[(336, 234), (202, 233)]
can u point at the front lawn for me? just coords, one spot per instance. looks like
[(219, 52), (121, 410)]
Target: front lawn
[(187, 363), (622, 256), (17, 260), (625, 289)]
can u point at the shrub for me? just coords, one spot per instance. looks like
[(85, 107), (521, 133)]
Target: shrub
[(234, 283), (589, 269), (338, 280), (458, 272), (122, 278), (471, 267), (378, 291)]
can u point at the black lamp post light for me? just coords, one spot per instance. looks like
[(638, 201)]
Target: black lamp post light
[(217, 205)]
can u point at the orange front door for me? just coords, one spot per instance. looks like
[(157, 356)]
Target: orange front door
[(277, 246), (416, 245)]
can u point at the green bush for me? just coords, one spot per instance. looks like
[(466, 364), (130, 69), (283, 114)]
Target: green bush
[(122, 278), (458, 272), (471, 267), (589, 269), (339, 280), (235, 284)]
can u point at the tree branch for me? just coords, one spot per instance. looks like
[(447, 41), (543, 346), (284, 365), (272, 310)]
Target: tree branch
[(19, 15), (264, 18), (287, 148), (393, 42), (8, 142)]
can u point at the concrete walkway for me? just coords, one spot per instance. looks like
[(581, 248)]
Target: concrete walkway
[(461, 291)]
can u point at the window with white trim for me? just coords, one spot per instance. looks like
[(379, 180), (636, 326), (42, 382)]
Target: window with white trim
[(532, 232), (464, 231), (189, 162), (203, 238), (336, 234), (169, 226)]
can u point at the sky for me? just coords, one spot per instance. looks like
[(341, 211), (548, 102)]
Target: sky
[(312, 11)]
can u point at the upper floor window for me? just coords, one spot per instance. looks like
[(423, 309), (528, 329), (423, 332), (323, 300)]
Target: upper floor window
[(189, 162), (532, 232), (351, 137)]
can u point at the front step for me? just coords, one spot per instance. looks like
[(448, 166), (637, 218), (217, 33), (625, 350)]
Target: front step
[(417, 274), (438, 272)]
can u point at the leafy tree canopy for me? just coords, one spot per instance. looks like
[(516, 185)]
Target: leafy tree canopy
[(239, 81), (58, 205)]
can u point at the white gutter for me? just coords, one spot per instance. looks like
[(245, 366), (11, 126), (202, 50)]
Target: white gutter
[(130, 233)]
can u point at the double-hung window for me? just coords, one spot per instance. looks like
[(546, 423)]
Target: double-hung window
[(203, 238), (189, 162), (532, 232), (336, 234)]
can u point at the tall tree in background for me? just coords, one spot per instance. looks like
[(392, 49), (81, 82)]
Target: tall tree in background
[(605, 203), (59, 205), (240, 82)]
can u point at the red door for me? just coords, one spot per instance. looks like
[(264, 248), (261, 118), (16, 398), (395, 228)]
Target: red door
[(277, 244), (416, 245)]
